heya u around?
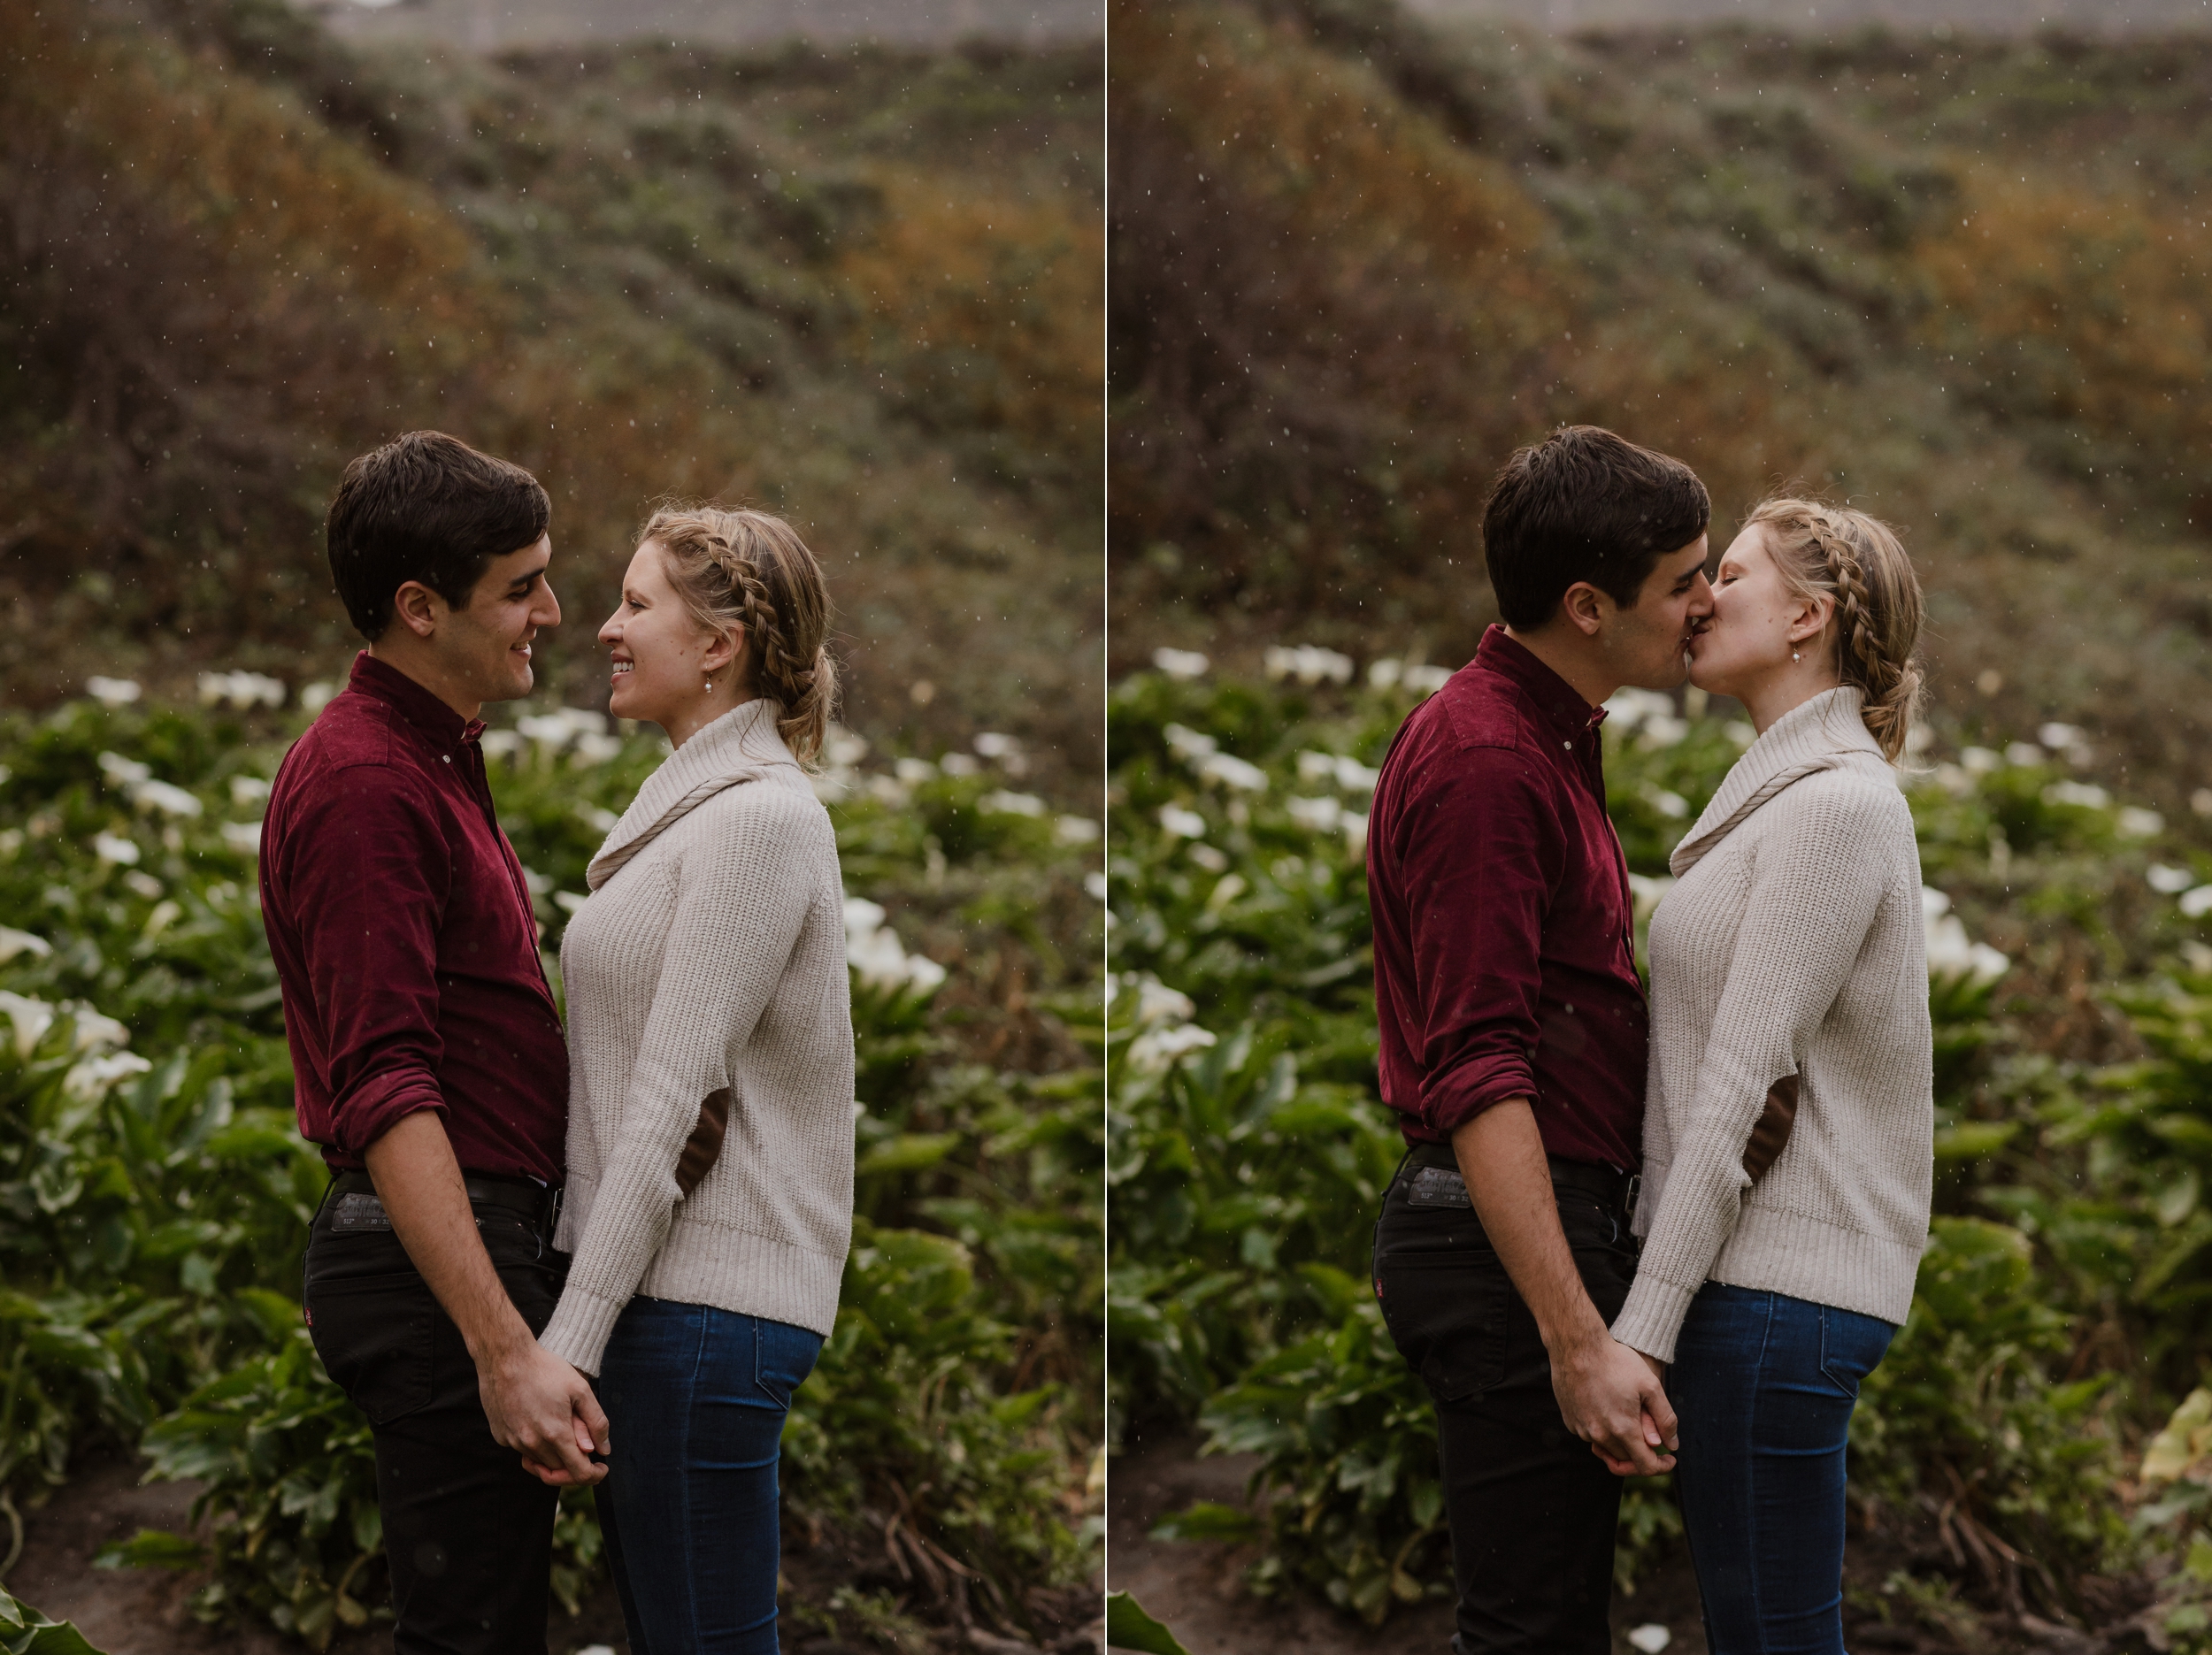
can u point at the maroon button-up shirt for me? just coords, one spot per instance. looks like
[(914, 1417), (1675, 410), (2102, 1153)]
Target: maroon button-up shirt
[(1504, 930), (403, 938)]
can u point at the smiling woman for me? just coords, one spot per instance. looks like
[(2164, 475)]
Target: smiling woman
[(719, 607), (707, 999)]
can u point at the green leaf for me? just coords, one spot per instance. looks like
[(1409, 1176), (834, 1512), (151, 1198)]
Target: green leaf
[(1129, 1628), (24, 1631), (1208, 1520), (151, 1549)]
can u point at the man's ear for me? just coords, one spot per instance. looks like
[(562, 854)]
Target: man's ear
[(1584, 608), (418, 609)]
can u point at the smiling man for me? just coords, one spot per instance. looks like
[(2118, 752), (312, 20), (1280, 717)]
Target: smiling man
[(1514, 1036), (427, 1057)]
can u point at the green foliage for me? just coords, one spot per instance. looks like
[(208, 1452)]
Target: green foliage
[(153, 1207), (1962, 1420), (1128, 1627), (1247, 1151), (24, 1631)]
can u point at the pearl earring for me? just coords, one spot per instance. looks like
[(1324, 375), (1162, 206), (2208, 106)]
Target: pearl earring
[(1795, 655), (709, 687)]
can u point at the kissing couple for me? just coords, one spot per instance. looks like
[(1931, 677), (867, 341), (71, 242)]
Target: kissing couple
[(608, 1259), (1632, 1236)]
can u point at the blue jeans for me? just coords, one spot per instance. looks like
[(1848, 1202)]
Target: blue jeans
[(696, 1399), (1764, 1385)]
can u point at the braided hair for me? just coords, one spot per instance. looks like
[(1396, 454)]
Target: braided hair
[(748, 572), (1835, 552)]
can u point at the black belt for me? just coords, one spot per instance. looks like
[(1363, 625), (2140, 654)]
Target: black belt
[(533, 1201), (1610, 1188)]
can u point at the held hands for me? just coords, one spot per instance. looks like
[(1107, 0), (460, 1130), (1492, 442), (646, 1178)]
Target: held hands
[(539, 1405), (1613, 1399)]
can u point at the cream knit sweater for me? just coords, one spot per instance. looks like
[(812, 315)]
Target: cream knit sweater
[(710, 954), (1792, 943)]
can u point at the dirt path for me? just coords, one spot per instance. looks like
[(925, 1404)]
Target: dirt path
[(145, 1612), (1195, 1588), (142, 1612)]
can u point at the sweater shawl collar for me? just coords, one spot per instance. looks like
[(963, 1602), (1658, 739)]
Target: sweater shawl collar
[(1824, 733), (741, 745)]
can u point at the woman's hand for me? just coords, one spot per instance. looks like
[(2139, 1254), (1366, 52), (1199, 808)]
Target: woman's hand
[(1655, 1438)]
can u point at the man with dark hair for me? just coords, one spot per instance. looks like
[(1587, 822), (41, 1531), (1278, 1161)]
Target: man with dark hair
[(1513, 1029), (427, 1057)]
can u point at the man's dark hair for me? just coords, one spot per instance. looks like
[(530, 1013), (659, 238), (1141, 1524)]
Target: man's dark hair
[(1584, 504), (426, 507)]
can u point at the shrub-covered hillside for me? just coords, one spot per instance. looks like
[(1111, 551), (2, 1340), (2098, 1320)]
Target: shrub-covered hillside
[(1356, 257), (858, 284)]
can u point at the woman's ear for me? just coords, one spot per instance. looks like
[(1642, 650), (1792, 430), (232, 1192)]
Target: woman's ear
[(722, 649), (1812, 617)]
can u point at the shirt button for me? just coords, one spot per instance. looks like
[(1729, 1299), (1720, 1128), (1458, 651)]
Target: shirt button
[(448, 757)]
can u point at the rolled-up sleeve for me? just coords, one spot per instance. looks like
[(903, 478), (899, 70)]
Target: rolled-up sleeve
[(1479, 856), (367, 885)]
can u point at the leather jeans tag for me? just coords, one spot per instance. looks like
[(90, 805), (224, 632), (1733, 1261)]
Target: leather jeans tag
[(1438, 1186), (359, 1211)]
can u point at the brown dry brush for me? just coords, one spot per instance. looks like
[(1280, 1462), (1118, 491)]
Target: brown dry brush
[(1328, 319), (235, 251), (209, 297)]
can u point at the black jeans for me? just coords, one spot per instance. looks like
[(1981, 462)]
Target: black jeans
[(1533, 1511), (469, 1533)]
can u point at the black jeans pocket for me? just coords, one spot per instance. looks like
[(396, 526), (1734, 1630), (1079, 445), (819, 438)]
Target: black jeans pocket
[(1447, 1314), (375, 1335)]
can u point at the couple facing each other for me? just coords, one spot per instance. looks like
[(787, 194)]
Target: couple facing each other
[(608, 1259), (1775, 1093)]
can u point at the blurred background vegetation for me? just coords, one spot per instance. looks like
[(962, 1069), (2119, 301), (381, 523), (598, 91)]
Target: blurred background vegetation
[(1358, 256), (856, 284)]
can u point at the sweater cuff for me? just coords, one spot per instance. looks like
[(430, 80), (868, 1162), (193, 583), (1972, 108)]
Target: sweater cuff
[(579, 1329), (1651, 1319)]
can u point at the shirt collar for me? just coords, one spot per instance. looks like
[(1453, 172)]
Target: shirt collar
[(438, 724), (1552, 695)]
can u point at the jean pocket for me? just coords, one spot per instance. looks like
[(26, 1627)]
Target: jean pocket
[(374, 1334), (1446, 1314), (1851, 1347), (783, 1357)]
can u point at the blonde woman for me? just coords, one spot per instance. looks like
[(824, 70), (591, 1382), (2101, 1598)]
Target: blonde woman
[(709, 1203), (1788, 1133)]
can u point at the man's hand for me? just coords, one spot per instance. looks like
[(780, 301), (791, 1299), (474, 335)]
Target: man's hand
[(1609, 1396), (536, 1403), (544, 1409), (1615, 1398)]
